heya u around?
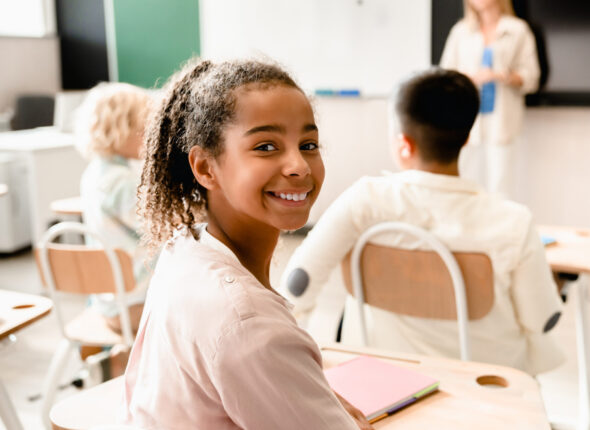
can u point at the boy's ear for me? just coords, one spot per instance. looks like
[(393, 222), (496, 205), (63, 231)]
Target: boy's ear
[(202, 167), (406, 147)]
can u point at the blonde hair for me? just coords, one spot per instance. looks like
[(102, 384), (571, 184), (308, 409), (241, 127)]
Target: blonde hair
[(470, 15), (109, 114)]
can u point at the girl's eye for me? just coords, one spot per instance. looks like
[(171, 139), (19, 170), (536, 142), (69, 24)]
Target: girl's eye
[(309, 146), (266, 147)]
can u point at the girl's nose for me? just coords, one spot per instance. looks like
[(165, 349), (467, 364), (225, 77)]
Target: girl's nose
[(296, 164)]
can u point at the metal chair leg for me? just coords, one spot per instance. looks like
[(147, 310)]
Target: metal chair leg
[(582, 346), (7, 411), (52, 380)]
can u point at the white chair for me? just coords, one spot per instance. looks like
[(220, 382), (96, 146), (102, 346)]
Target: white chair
[(426, 284), (80, 269)]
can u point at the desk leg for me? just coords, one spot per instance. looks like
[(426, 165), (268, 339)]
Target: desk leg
[(583, 345), (7, 412)]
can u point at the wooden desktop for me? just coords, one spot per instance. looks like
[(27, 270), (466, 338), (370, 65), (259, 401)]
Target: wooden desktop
[(71, 206), (471, 396)]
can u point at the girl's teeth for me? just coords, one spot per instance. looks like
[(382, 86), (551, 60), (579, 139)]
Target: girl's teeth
[(294, 197)]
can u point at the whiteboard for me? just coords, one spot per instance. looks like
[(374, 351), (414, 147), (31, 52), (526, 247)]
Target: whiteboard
[(327, 44)]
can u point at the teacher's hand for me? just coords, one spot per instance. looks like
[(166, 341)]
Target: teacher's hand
[(512, 79), (483, 76), (357, 416)]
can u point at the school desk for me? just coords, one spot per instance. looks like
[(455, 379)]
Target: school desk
[(17, 310), (471, 395), (69, 207), (571, 254), (461, 402)]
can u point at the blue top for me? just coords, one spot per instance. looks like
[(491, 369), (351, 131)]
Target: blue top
[(488, 90)]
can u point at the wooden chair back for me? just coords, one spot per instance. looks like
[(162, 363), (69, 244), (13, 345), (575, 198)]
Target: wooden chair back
[(417, 283), (85, 270)]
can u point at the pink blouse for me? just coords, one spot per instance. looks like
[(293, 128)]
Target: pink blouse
[(217, 350)]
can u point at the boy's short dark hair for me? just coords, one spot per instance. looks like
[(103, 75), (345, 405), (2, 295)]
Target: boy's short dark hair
[(436, 110)]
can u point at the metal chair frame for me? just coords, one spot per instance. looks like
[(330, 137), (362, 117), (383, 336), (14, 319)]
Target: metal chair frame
[(437, 246)]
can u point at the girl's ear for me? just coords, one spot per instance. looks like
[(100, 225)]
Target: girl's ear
[(202, 167)]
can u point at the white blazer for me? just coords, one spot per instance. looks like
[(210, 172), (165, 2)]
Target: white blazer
[(514, 50), (464, 217)]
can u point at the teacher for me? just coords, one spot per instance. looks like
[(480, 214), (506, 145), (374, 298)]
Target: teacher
[(497, 51)]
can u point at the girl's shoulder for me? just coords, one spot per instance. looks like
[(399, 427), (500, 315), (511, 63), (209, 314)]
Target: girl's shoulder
[(212, 289)]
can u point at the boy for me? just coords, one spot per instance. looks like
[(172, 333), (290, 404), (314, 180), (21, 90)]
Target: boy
[(436, 111)]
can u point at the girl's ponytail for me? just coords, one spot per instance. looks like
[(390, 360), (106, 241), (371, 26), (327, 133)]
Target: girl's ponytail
[(167, 183)]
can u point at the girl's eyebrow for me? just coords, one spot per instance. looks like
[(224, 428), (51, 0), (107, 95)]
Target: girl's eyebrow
[(266, 128), (277, 129)]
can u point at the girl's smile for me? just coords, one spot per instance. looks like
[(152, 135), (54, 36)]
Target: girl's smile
[(290, 197)]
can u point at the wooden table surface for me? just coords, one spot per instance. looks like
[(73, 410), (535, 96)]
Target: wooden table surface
[(571, 252), (461, 402), (18, 310), (68, 206)]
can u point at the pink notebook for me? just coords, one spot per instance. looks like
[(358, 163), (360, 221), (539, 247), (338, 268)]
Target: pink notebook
[(378, 388)]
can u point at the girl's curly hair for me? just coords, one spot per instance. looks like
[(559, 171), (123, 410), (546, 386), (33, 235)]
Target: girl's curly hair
[(199, 102)]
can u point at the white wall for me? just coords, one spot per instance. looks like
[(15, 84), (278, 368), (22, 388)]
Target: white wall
[(553, 165), (326, 44), (29, 65), (354, 140)]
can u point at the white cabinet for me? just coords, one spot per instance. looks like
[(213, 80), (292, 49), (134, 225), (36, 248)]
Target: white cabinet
[(15, 227), (53, 166)]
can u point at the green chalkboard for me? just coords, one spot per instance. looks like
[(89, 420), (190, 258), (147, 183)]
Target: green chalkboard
[(153, 38)]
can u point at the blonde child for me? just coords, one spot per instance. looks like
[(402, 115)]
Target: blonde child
[(109, 132), (232, 159)]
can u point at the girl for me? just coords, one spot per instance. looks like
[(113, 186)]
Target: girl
[(234, 144)]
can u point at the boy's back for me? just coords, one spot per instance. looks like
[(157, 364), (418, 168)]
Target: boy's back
[(465, 218)]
